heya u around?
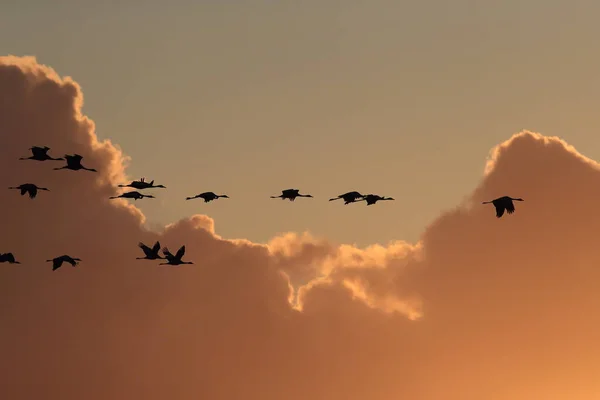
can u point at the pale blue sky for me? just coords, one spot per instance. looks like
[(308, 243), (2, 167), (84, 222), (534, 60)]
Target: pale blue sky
[(403, 99)]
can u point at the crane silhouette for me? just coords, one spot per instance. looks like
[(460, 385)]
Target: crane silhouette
[(142, 184), (57, 262), (132, 195), (9, 258), (208, 196), (175, 259), (74, 163), (151, 253), (40, 154), (374, 198), (503, 203), (349, 197), (290, 194), (30, 189)]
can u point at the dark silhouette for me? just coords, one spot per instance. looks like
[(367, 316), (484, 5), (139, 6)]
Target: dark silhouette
[(58, 261), (132, 195), (9, 258), (29, 188), (142, 184), (40, 154), (349, 197), (151, 253), (208, 196), (374, 198), (175, 259), (74, 163), (290, 194), (503, 203)]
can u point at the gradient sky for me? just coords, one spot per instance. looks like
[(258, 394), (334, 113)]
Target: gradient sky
[(404, 99)]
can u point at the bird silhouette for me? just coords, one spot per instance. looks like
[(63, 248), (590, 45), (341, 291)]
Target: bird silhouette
[(374, 198), (349, 197), (151, 253), (29, 188), (208, 196), (503, 203), (58, 261), (74, 163), (40, 154), (290, 194), (9, 258), (132, 195), (142, 184), (175, 259)]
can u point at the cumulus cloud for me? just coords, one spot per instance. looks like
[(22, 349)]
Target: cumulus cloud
[(480, 308)]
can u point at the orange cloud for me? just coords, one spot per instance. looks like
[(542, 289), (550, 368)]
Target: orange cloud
[(480, 308)]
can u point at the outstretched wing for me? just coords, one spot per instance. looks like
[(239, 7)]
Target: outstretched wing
[(168, 255), (499, 211), (156, 247), (147, 250), (39, 151), (180, 252), (510, 207)]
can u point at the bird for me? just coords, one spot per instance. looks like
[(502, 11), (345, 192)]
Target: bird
[(74, 163), (132, 195), (151, 253), (208, 196), (290, 194), (58, 261), (374, 198), (142, 184), (349, 197), (174, 259), (40, 154), (9, 258), (503, 203), (29, 188)]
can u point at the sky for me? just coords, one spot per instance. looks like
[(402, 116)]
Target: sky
[(302, 302), (403, 99)]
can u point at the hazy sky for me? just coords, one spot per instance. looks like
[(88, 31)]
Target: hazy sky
[(402, 99)]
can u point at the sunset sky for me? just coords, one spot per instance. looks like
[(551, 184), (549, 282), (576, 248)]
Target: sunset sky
[(404, 99), (430, 297)]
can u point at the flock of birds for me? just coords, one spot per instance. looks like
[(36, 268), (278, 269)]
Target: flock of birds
[(73, 162)]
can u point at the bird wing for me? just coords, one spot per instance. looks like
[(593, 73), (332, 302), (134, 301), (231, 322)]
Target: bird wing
[(180, 252), (288, 192), (499, 211), (32, 192), (156, 247), (77, 157), (10, 257), (510, 207), (39, 151), (23, 190), (168, 254), (147, 250), (56, 263), (71, 261)]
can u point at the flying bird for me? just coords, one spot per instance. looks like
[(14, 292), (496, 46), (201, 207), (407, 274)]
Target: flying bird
[(9, 258), (40, 154), (374, 198), (349, 197), (58, 261), (503, 203), (174, 259), (208, 196), (29, 188), (132, 195), (74, 163), (151, 253), (142, 184), (290, 194)]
